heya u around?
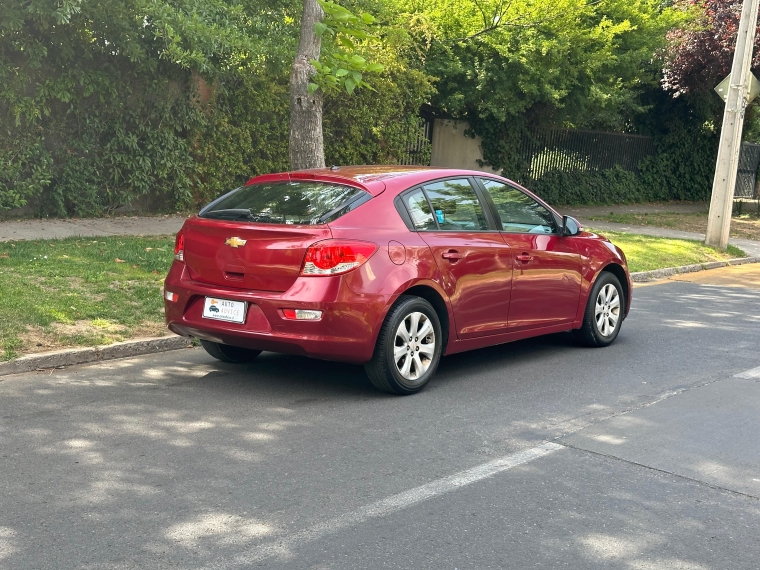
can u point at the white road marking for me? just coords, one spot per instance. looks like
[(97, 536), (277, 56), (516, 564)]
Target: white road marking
[(749, 374), (288, 544)]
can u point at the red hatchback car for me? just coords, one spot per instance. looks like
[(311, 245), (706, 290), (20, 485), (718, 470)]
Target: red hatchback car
[(390, 267)]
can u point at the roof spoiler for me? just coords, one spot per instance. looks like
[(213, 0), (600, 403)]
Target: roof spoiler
[(288, 177)]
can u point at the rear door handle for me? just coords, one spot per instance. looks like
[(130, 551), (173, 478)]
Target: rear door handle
[(524, 257), (451, 255)]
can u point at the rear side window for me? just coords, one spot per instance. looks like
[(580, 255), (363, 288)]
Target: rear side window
[(419, 210), (301, 203)]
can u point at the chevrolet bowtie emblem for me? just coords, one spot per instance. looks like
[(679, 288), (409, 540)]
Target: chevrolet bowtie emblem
[(235, 242)]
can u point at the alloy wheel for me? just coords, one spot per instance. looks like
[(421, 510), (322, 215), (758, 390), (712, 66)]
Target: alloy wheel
[(607, 310), (414, 346)]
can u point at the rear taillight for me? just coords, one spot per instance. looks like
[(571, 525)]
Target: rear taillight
[(179, 247), (336, 256)]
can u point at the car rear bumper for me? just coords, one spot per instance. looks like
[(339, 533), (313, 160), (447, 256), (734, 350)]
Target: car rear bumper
[(346, 332)]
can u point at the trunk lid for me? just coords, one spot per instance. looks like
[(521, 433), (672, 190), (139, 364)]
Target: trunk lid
[(262, 257)]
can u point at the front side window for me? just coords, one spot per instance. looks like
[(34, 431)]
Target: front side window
[(456, 206), (302, 203), (519, 213)]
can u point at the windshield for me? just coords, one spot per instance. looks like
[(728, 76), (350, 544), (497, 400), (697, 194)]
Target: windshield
[(301, 203)]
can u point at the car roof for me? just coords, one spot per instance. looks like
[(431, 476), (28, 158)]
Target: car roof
[(374, 179)]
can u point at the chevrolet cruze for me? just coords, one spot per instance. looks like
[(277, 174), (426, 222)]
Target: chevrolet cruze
[(390, 267)]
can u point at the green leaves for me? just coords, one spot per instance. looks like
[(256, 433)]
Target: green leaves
[(98, 96), (343, 67), (506, 66), (169, 103), (320, 28)]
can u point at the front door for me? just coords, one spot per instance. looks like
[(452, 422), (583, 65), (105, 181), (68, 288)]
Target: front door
[(546, 278), (474, 261)]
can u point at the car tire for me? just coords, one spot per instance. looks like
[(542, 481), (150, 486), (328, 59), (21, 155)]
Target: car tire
[(393, 367), (227, 353), (605, 312)]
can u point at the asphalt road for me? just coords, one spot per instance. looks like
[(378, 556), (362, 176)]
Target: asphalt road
[(539, 454)]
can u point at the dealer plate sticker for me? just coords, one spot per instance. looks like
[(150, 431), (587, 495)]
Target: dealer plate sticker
[(224, 310)]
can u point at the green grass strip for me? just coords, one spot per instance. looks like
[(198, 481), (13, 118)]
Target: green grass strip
[(646, 253), (88, 291), (80, 291)]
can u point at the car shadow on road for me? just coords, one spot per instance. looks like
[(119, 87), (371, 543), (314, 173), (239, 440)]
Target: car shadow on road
[(282, 374), (278, 374), (554, 347)]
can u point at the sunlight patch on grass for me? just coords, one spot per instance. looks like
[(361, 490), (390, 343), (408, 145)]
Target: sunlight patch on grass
[(646, 253)]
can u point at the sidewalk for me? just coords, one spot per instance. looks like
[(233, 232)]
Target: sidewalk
[(676, 208), (583, 213), (750, 247), (63, 228), (169, 225)]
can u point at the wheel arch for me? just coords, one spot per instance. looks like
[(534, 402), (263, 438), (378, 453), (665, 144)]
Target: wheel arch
[(432, 296), (618, 271)]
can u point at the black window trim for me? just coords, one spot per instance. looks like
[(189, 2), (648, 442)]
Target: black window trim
[(349, 204), (211, 204), (495, 211), (480, 194)]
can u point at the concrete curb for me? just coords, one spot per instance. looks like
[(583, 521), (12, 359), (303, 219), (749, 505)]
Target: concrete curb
[(647, 276), (71, 356)]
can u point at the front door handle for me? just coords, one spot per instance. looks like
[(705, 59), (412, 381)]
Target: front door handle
[(451, 255), (524, 257)]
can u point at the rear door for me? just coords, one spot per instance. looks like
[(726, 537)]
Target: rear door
[(474, 261), (256, 237), (546, 281), (247, 256)]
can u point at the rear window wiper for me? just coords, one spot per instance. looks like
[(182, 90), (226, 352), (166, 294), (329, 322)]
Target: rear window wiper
[(231, 214)]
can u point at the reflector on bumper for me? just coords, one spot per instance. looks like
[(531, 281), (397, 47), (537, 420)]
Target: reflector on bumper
[(301, 314)]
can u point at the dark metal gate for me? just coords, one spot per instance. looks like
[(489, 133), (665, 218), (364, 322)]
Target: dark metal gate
[(420, 143), (544, 150), (746, 178)]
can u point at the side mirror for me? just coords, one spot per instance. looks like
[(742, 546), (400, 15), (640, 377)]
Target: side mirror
[(571, 226)]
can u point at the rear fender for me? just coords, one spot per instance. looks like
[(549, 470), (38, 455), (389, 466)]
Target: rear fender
[(417, 288)]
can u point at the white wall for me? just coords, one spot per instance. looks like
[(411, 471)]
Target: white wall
[(451, 149)]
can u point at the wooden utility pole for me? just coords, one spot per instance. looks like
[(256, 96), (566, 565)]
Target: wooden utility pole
[(722, 202)]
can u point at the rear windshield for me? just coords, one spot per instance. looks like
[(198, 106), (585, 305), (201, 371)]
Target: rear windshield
[(303, 203)]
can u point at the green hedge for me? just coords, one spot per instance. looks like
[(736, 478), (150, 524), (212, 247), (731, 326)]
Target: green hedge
[(682, 170), (167, 104), (578, 187)]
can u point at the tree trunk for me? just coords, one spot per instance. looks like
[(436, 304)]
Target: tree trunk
[(306, 143)]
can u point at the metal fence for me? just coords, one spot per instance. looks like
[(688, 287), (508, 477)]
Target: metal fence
[(544, 150), (746, 177), (418, 149)]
